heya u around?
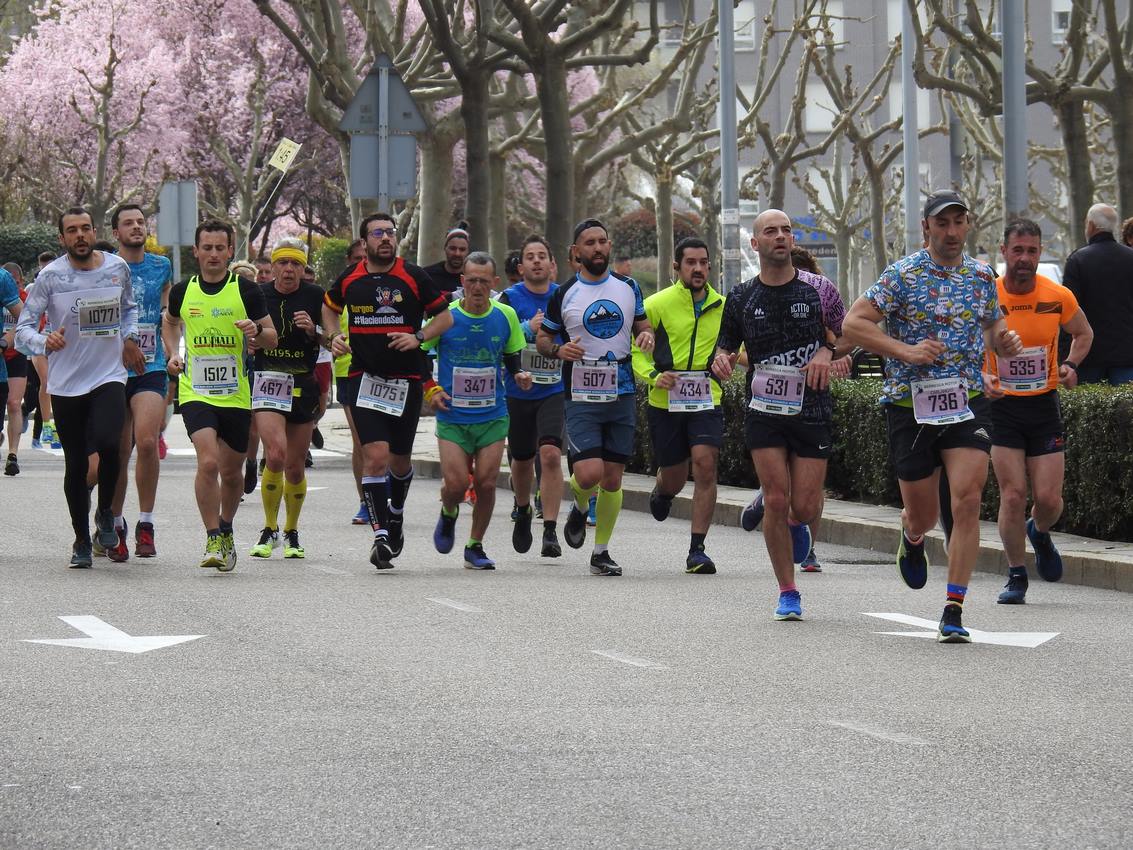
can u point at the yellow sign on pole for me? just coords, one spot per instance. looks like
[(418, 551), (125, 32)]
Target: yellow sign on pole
[(284, 155)]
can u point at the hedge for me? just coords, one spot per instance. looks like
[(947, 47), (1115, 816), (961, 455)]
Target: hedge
[(22, 243), (1099, 458), (635, 234)]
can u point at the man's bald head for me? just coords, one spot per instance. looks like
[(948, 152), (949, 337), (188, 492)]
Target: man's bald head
[(776, 216), (772, 239), (1101, 218)]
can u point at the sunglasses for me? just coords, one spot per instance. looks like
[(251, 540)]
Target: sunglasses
[(379, 232)]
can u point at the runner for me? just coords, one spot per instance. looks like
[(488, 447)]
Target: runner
[(14, 365), (385, 299), (942, 313), (221, 314), (285, 395), (145, 393), (355, 254), (88, 300), (782, 325), (1027, 437), (446, 274), (535, 415), (591, 323), (686, 423), (472, 413)]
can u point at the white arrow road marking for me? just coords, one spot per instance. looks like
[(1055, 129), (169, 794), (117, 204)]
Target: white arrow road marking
[(1029, 640), (629, 659), (452, 603), (101, 635)]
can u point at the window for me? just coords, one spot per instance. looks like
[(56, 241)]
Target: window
[(1059, 20), (745, 18), (820, 109), (672, 23), (896, 105)]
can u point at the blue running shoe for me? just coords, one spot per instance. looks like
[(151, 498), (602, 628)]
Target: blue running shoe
[(800, 542), (752, 515), (912, 563), (592, 514), (476, 559), (36, 444), (362, 517), (951, 630), (444, 535), (1015, 591), (810, 564), (698, 563), (790, 606), (1048, 563)]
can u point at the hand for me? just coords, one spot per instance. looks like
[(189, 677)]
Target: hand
[(403, 342), (303, 321), (132, 357), (572, 350), (246, 327), (523, 380), (666, 380), (1067, 377), (840, 368), (536, 322), (645, 340), (724, 364), (339, 347), (55, 341), (818, 369), (924, 352), (175, 366), (992, 389), (1008, 343), (437, 400)]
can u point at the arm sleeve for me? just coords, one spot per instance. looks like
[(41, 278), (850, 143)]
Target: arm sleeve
[(833, 308), (731, 326), (432, 299), (638, 303), (335, 298), (28, 338), (888, 293), (1070, 306), (553, 318)]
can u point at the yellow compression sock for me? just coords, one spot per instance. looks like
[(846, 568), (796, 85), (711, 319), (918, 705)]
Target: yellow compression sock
[(293, 497), (581, 497), (271, 491), (607, 510)]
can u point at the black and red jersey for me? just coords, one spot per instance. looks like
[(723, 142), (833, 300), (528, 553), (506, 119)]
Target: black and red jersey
[(381, 303)]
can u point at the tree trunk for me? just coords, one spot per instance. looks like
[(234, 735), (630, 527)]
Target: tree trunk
[(435, 193), (664, 178), (474, 114), (554, 105), (846, 270), (777, 186), (1120, 108), (497, 222), (877, 216), (1079, 175)]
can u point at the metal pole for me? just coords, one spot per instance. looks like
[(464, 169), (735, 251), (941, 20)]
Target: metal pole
[(176, 263), (729, 153), (383, 138), (1014, 111), (955, 128), (913, 237)]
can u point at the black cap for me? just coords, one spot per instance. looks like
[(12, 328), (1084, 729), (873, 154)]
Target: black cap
[(586, 224), (941, 200)]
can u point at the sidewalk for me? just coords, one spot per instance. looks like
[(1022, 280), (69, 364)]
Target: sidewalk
[(1094, 563)]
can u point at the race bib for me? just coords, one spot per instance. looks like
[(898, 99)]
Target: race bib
[(1023, 372), (99, 316), (691, 392), (384, 396), (594, 381), (943, 401), (147, 341), (544, 370), (215, 374), (474, 388), (272, 391), (9, 320), (777, 389)]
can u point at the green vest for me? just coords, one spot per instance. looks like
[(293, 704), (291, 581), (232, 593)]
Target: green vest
[(342, 364), (214, 347)]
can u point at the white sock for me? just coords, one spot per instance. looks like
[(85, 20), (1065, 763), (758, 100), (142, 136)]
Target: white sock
[(146, 516), (600, 548), (119, 522)]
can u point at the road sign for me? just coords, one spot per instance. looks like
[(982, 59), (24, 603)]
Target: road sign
[(1029, 640), (363, 113), (102, 635), (365, 167), (285, 153), (177, 213)]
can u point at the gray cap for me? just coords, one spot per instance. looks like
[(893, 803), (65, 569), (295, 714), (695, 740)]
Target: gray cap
[(941, 200)]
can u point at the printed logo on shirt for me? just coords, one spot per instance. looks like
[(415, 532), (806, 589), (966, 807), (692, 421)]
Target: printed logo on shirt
[(1048, 307), (214, 338), (800, 311), (386, 299), (604, 319), (217, 312)]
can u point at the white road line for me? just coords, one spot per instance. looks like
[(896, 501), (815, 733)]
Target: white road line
[(331, 570), (452, 603), (880, 734), (632, 660)]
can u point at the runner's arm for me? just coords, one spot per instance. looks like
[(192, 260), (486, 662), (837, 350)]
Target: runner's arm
[(861, 328), (28, 339)]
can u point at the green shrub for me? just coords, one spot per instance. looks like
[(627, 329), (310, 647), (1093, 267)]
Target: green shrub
[(328, 260), (635, 234), (22, 243)]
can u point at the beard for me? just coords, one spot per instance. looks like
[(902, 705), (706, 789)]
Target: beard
[(595, 265), (381, 254), (80, 252)]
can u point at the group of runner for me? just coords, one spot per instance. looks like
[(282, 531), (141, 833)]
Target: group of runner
[(971, 363)]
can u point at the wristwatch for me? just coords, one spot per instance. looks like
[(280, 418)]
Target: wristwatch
[(259, 329), (420, 336), (833, 348), (134, 338), (1071, 364)]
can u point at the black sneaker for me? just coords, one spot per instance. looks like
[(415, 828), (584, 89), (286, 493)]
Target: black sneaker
[(80, 554), (308, 461), (396, 538), (521, 530), (551, 547), (12, 467), (380, 554), (951, 630), (317, 438), (698, 563), (659, 504), (249, 476), (1048, 563), (912, 563), (1015, 591), (107, 535), (574, 529), (601, 564)]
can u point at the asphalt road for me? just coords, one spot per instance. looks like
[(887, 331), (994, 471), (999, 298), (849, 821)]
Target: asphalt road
[(327, 704)]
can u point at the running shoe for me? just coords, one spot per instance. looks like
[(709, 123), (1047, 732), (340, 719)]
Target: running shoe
[(912, 563), (951, 630), (514, 509), (317, 438), (790, 606), (106, 533), (47, 433), (98, 549), (80, 554), (214, 553), (119, 552), (143, 540), (801, 540), (269, 539), (521, 531), (362, 517), (444, 535), (601, 564), (475, 558), (810, 564), (592, 513), (659, 504), (574, 529), (162, 446), (55, 442), (249, 476), (1015, 591), (752, 514), (291, 546), (380, 555), (538, 504), (551, 547), (1048, 563), (308, 461), (228, 551), (698, 563), (12, 467), (36, 444), (396, 538)]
